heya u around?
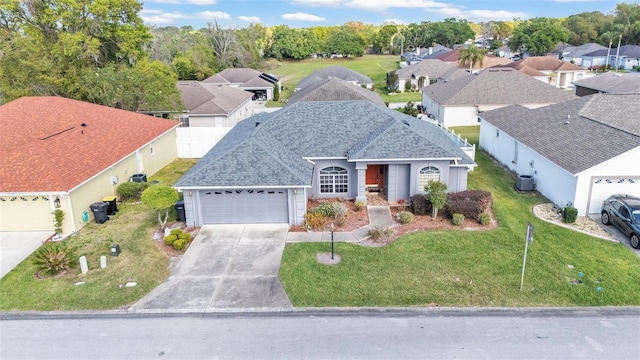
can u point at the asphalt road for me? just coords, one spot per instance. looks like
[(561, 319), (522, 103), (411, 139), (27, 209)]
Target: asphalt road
[(463, 335)]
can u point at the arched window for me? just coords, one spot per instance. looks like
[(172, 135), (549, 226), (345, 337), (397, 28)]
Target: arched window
[(427, 174), (334, 180)]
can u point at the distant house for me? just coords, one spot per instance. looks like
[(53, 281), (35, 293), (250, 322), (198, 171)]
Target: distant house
[(551, 70), (427, 72), (575, 54), (458, 102), (66, 154), (627, 57), (259, 83), (333, 89), (339, 72), (609, 82), (267, 167), (452, 57), (211, 111), (578, 152)]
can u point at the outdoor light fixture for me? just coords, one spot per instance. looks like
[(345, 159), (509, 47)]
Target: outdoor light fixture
[(56, 202)]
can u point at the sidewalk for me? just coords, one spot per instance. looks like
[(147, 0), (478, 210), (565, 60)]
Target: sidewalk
[(379, 216)]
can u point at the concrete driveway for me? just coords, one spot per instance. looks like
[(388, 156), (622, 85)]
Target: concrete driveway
[(617, 234), (227, 267), (17, 246)]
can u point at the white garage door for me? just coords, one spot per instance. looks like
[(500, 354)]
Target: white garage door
[(602, 188), (244, 206), (25, 213)]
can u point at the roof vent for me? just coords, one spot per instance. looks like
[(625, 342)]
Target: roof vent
[(257, 123), (406, 122)]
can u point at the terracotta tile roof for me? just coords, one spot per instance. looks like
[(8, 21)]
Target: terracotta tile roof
[(45, 147)]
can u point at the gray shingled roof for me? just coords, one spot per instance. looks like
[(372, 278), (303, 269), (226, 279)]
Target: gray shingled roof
[(578, 51), (632, 51), (211, 99), (612, 82), (273, 152), (244, 77), (334, 89), (433, 68), (339, 72), (576, 135), (495, 86)]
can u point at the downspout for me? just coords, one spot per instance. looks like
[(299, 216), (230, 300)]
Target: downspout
[(73, 220)]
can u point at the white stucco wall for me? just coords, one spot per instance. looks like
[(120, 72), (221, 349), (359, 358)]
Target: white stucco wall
[(196, 142)]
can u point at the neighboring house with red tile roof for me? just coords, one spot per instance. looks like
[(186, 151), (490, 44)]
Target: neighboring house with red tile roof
[(458, 102), (551, 70), (68, 153), (259, 83), (211, 111)]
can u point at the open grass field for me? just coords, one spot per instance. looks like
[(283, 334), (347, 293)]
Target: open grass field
[(373, 66), (140, 260), (421, 269)]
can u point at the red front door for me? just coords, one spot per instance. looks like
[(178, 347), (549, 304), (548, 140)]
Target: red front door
[(375, 175)]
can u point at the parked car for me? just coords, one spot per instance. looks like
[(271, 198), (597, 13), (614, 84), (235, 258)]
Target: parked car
[(623, 211), (515, 57)]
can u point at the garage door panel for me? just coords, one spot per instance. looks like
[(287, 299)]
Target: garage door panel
[(602, 188), (25, 213), (244, 206)]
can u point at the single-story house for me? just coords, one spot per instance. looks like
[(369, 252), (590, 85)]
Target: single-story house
[(609, 82), (458, 102), (334, 89), (489, 60), (339, 72), (267, 167), (575, 54), (554, 71), (259, 83), (427, 72), (577, 152), (210, 112), (626, 57), (66, 154)]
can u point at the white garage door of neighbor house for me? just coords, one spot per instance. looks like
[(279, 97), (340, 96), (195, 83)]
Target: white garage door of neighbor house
[(244, 206), (602, 188)]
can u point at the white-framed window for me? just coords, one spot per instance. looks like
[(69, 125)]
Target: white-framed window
[(426, 174), (334, 180)]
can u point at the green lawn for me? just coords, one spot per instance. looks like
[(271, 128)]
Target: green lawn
[(420, 269), (140, 261), (373, 66)]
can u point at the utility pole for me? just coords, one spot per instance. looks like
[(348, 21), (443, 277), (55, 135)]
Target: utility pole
[(618, 51)]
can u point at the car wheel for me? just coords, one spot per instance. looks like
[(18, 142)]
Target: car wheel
[(635, 241), (605, 218)]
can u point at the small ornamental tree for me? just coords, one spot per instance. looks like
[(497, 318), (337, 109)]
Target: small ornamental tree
[(160, 197), (437, 196), (276, 92)]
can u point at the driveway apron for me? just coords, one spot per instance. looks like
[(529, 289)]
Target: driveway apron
[(227, 267)]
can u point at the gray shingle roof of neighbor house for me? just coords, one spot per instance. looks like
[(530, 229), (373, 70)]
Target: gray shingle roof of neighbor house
[(270, 149), (433, 68), (211, 99), (495, 86), (612, 82), (240, 76), (339, 72), (577, 135), (632, 51), (584, 49), (334, 89)]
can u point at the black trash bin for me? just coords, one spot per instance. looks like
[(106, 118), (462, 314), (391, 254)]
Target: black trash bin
[(180, 216), (138, 178), (100, 212), (111, 201)]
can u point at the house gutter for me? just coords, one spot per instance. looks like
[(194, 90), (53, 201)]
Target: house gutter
[(255, 187)]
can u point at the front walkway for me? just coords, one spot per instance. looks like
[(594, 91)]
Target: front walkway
[(379, 216)]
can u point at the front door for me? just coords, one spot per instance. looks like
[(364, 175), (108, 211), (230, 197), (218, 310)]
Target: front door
[(375, 175)]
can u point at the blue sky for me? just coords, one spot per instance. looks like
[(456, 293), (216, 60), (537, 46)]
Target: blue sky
[(307, 13)]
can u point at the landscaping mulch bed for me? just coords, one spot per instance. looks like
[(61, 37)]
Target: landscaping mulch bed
[(354, 220), (169, 251)]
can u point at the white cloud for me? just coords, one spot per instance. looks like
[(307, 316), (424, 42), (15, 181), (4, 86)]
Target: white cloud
[(160, 17), (250, 19), (328, 3), (299, 16), (383, 5), (213, 15), (479, 15), (394, 22)]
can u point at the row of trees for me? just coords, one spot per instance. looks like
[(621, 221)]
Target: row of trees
[(100, 51)]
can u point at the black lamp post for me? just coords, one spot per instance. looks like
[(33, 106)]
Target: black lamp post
[(331, 241)]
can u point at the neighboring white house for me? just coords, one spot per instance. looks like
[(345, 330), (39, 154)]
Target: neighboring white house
[(626, 57), (259, 83), (427, 72), (551, 70), (578, 152), (458, 102), (211, 111), (575, 54)]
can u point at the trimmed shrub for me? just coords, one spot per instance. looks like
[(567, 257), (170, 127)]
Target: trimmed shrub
[(131, 191), (176, 232), (469, 203), (457, 219), (378, 233), (315, 220), (53, 258), (324, 209), (357, 205), (180, 244), (407, 86), (484, 218), (339, 210), (170, 239), (405, 217), (178, 239), (420, 205), (569, 214)]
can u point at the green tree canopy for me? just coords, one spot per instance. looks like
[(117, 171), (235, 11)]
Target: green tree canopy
[(288, 43), (345, 43), (437, 195), (538, 35), (471, 56), (451, 31), (160, 198)]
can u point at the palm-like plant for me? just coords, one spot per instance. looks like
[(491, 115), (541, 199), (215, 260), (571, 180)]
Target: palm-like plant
[(54, 258), (471, 55)]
